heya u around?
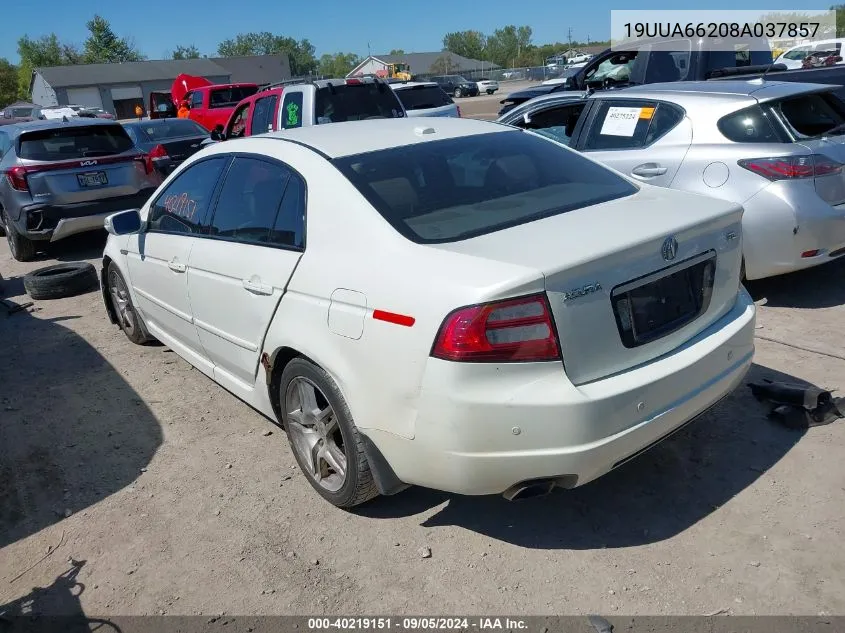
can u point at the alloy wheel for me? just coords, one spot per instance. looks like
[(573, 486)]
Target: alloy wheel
[(315, 433), (121, 302)]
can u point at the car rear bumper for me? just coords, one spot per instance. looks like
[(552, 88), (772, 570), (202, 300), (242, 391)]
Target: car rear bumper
[(516, 423), (55, 222), (782, 227)]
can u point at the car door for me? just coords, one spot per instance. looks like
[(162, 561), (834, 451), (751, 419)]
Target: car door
[(557, 121), (236, 127), (157, 257), (263, 112), (646, 140), (248, 252)]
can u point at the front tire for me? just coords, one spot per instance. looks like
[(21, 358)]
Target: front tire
[(128, 318), (22, 248), (323, 436), (458, 94), (489, 92)]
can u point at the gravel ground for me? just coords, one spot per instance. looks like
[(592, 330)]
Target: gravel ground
[(124, 470)]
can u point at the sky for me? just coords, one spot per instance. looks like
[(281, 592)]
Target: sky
[(351, 26)]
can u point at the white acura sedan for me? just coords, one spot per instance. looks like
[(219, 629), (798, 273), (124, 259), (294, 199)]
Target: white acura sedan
[(449, 303)]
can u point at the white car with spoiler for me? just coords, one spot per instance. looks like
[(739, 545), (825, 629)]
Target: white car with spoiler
[(450, 303)]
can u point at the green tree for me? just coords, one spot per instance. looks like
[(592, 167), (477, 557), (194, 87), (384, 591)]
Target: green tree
[(8, 82), (42, 52), (104, 47), (443, 65), (467, 43), (338, 65), (186, 52), (397, 51), (840, 19), (510, 45), (300, 54)]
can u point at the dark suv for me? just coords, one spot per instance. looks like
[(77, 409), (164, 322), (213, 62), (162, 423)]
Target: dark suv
[(456, 85), (58, 178)]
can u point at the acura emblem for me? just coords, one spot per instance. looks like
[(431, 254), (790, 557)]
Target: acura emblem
[(669, 248)]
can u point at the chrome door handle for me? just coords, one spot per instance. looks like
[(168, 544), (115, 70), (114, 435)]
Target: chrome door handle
[(649, 170), (256, 287), (176, 267)]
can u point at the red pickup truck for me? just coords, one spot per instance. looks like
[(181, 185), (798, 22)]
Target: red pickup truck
[(209, 104)]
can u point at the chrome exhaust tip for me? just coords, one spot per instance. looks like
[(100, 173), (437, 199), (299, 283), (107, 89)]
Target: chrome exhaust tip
[(529, 489)]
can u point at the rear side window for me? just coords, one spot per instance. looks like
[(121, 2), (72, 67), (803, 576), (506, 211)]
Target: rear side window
[(72, 142), (230, 97), (623, 124), (249, 202), (292, 111), (182, 206), (423, 97), (557, 122), (356, 102), (750, 125), (813, 114), (455, 189)]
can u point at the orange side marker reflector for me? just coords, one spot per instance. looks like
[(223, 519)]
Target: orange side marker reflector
[(392, 317)]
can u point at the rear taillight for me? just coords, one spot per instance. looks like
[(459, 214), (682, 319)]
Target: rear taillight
[(354, 82), (17, 178), (503, 331), (158, 152), (792, 167)]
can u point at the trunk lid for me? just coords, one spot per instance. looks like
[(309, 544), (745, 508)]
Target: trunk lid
[(596, 259), (181, 148)]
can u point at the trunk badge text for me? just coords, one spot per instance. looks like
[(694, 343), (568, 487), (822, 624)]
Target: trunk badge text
[(669, 249), (582, 291), (87, 163)]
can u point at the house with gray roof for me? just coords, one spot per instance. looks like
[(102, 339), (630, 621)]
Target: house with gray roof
[(119, 87), (439, 63)]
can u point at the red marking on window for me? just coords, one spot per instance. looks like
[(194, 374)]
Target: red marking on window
[(392, 317)]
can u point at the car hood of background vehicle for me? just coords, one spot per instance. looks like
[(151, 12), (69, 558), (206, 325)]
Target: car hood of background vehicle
[(183, 84), (574, 238), (529, 94)]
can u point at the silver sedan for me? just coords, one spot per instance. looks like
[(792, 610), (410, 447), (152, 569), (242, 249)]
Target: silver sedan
[(777, 148)]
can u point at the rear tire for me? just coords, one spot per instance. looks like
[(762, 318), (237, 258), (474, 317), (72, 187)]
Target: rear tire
[(489, 92), (22, 248), (2, 223), (323, 436), (61, 280)]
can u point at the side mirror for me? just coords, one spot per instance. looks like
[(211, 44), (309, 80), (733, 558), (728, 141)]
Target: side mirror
[(217, 133), (123, 222)]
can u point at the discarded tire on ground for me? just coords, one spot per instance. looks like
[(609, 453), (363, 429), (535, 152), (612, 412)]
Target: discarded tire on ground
[(61, 280)]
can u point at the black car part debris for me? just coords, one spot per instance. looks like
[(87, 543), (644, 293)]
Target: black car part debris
[(798, 406), (61, 280)]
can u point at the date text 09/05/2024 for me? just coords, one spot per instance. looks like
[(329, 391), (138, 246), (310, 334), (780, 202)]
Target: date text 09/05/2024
[(416, 624), (721, 29)]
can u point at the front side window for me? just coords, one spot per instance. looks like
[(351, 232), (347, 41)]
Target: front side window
[(237, 125), (183, 205), (557, 123), (262, 114), (196, 100), (455, 189), (630, 124), (249, 201)]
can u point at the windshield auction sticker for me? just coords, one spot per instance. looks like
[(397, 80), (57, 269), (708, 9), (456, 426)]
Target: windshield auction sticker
[(734, 31), (620, 121)]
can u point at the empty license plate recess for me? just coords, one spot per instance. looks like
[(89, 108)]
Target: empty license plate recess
[(92, 179), (658, 304)]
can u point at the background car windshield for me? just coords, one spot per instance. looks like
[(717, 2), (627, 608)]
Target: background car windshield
[(69, 143), (21, 112), (228, 97), (172, 129), (422, 97), (355, 102), (449, 190)]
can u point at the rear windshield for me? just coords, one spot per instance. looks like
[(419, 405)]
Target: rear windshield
[(229, 97), (68, 143), (355, 102), (21, 112), (455, 189), (423, 97), (172, 128), (814, 114)]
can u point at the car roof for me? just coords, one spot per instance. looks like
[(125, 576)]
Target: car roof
[(359, 137), (412, 84), (729, 90)]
